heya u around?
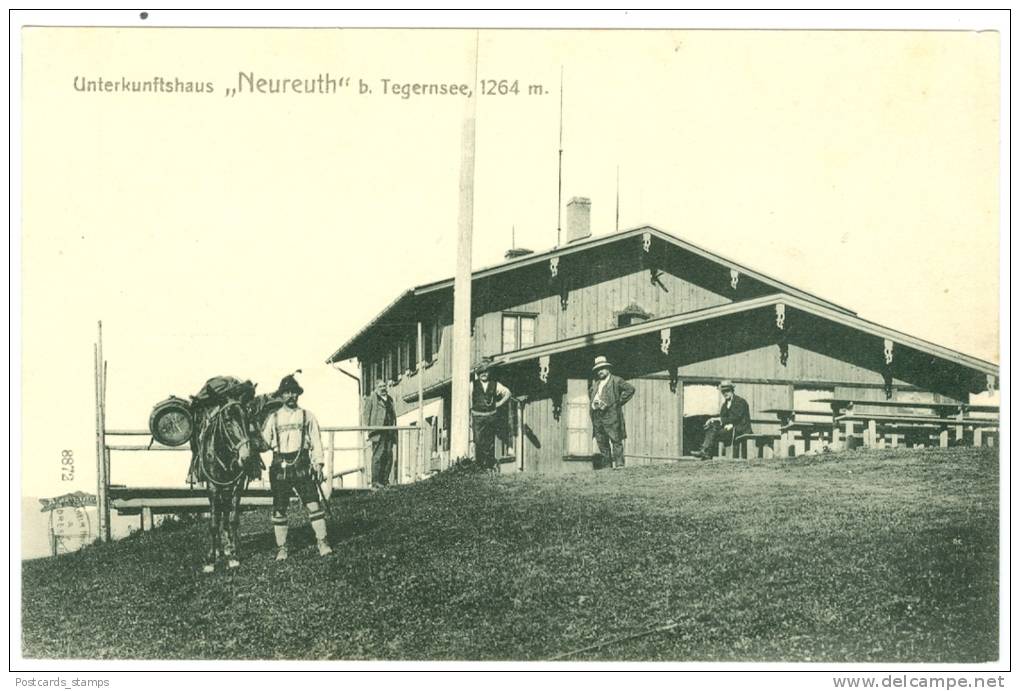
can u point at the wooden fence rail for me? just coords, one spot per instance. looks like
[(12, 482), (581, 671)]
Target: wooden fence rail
[(143, 500)]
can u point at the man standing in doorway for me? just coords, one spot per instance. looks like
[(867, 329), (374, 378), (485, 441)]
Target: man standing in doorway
[(379, 412), (608, 394), (734, 419), (293, 435), (487, 398)]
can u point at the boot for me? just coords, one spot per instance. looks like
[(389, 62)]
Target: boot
[(281, 553), (324, 548)]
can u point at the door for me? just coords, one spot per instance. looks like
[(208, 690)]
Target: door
[(700, 402)]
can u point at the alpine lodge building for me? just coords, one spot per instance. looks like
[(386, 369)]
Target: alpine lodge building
[(674, 320)]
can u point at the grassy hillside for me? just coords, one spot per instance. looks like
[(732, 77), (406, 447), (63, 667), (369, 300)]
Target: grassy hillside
[(867, 556)]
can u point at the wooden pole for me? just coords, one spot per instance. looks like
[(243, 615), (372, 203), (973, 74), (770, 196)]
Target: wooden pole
[(100, 452), (421, 403), (329, 464), (460, 385), (102, 434), (520, 432), (618, 199), (102, 455), (559, 171)]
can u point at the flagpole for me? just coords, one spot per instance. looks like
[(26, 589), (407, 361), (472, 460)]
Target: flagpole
[(461, 368), (559, 170)]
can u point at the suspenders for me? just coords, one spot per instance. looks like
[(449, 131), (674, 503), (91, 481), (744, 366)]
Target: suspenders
[(279, 441)]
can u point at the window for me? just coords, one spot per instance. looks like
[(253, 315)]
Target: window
[(914, 396), (373, 376), (392, 373), (518, 331), (808, 408), (632, 314), (579, 434), (406, 357), (432, 336)]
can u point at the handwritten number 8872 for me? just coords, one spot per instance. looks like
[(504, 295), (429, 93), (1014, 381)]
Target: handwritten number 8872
[(67, 465)]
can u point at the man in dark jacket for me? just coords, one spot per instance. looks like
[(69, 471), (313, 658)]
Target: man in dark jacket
[(379, 412), (488, 397), (607, 396), (734, 419)]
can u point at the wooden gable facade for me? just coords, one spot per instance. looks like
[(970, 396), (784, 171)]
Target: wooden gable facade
[(674, 320)]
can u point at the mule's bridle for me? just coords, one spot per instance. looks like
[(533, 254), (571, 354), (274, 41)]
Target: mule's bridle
[(220, 427)]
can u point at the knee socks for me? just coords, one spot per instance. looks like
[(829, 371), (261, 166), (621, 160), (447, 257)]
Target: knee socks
[(318, 521), (280, 530)]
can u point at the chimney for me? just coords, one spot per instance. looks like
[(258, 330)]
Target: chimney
[(578, 219)]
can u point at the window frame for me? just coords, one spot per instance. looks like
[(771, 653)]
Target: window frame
[(575, 400), (518, 318)]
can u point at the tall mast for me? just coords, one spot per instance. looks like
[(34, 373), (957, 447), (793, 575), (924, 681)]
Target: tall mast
[(461, 372), (618, 198), (559, 171)]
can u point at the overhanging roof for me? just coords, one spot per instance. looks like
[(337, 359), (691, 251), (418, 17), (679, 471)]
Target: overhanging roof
[(652, 325), (709, 313), (340, 353), (600, 240), (346, 351)]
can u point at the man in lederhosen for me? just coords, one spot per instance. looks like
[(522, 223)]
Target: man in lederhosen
[(487, 399), (293, 435)]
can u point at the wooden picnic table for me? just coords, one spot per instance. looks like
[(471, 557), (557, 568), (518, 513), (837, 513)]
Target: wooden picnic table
[(839, 404), (785, 414), (807, 424), (847, 413)]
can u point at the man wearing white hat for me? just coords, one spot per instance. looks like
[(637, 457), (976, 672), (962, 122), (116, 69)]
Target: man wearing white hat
[(607, 396)]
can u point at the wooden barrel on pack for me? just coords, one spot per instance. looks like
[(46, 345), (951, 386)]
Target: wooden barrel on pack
[(171, 422)]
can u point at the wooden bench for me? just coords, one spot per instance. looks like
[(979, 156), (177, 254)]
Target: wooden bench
[(756, 445), (986, 432), (725, 450), (896, 425), (944, 416), (808, 430), (799, 427)]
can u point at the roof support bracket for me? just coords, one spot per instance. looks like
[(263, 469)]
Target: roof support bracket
[(783, 340), (991, 383), (734, 278), (543, 369), (664, 340), (887, 352), (650, 262), (558, 281)]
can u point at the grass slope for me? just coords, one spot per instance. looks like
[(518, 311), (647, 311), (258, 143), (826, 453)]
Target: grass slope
[(867, 556)]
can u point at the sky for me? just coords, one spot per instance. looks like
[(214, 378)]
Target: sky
[(253, 234)]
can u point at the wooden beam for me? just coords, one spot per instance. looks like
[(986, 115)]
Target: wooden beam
[(461, 332), (421, 401)]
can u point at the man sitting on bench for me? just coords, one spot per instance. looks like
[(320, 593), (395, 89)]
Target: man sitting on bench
[(734, 419)]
